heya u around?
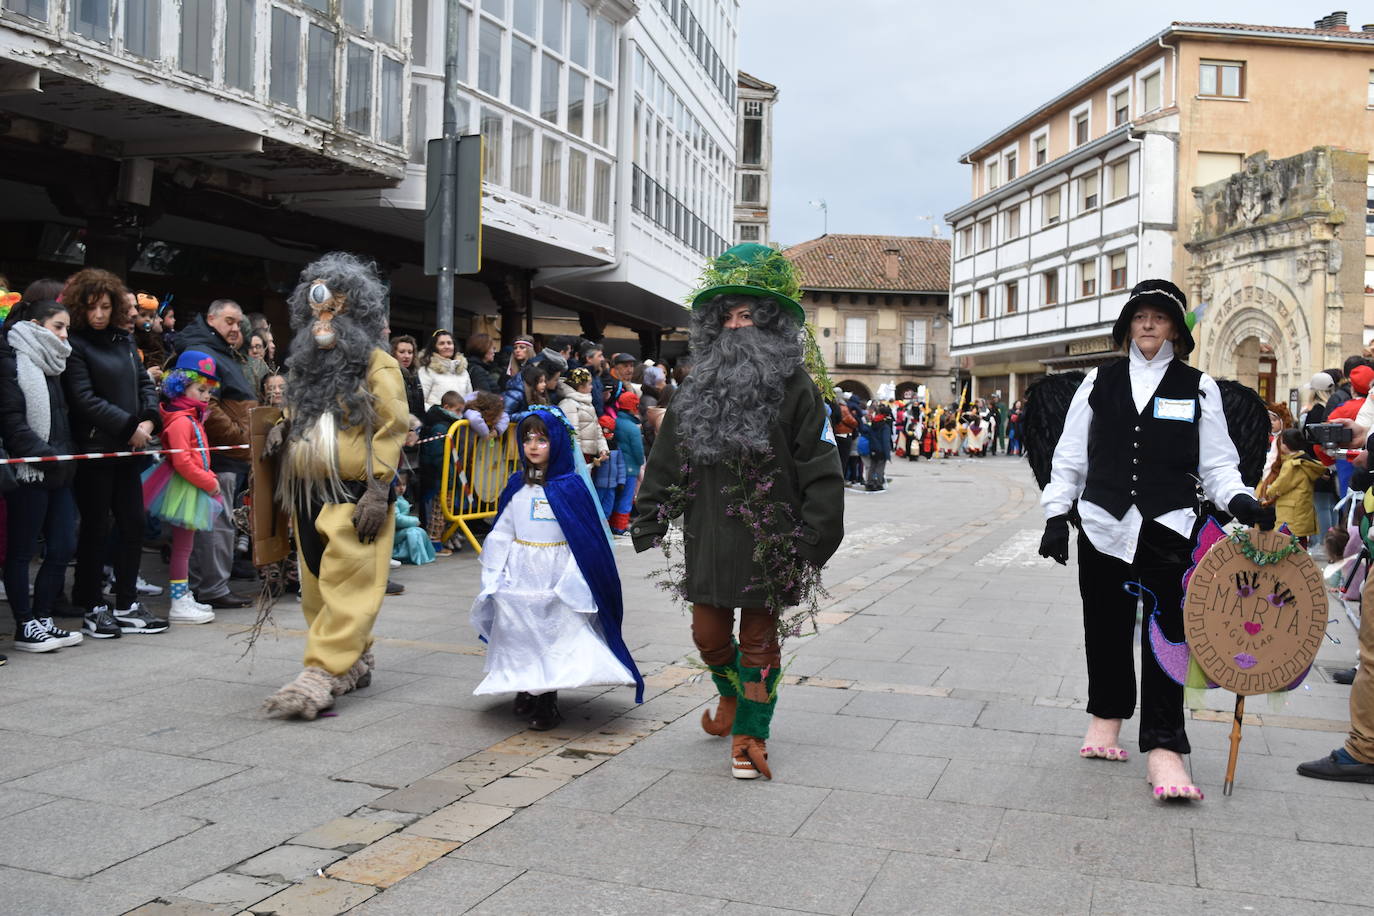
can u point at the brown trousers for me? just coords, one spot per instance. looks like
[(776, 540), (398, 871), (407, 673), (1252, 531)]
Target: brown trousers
[(713, 629), (1360, 744)]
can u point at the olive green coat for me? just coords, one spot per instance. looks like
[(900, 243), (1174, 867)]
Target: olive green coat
[(719, 547)]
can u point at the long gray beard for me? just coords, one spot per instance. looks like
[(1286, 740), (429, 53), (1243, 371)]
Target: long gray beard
[(330, 381), (730, 401)]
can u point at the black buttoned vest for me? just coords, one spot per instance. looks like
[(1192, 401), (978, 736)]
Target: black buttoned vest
[(1139, 457)]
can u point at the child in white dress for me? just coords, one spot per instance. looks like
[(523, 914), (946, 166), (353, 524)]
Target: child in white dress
[(550, 606)]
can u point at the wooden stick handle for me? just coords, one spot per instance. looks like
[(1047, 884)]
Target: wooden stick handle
[(1235, 746)]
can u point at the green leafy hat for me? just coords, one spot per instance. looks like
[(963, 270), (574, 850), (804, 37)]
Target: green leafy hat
[(751, 269)]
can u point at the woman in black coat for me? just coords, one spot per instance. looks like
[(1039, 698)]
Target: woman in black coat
[(33, 420), (113, 407), (481, 368)]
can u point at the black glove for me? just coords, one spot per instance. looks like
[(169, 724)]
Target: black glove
[(1054, 544), (1248, 511)]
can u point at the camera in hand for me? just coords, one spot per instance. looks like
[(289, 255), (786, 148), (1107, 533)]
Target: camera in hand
[(1330, 436)]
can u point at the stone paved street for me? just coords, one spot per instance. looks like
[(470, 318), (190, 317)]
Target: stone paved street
[(925, 754)]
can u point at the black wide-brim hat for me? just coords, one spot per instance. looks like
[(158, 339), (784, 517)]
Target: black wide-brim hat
[(1162, 295)]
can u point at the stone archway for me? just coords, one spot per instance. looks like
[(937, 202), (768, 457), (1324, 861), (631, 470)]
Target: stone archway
[(856, 388), (1258, 311)]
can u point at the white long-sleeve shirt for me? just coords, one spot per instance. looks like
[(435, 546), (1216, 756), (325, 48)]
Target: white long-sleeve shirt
[(1217, 460)]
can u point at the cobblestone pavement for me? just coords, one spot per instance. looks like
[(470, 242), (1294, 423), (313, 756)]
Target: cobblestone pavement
[(925, 755)]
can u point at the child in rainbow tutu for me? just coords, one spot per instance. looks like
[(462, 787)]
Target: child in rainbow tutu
[(182, 490)]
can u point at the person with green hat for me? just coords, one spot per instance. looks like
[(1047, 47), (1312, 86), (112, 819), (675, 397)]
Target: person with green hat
[(745, 455)]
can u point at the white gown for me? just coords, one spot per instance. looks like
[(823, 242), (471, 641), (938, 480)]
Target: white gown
[(535, 609)]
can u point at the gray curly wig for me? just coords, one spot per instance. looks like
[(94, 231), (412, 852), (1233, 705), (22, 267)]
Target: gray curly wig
[(728, 403), (325, 381)]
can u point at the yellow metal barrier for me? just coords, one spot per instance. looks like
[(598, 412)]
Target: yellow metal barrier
[(471, 486)]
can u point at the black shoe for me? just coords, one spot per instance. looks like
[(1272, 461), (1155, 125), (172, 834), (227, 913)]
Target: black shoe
[(34, 637), (227, 601), (395, 588), (1344, 676), (546, 714), (524, 704), (99, 623), (243, 568), (3, 659), (136, 619), (64, 638), (1330, 767)]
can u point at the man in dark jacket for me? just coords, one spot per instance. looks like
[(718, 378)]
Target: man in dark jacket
[(219, 333), (745, 454)]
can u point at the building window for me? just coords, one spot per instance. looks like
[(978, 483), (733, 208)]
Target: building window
[(1369, 203), (1118, 275), (577, 101), (605, 48), (1011, 222), (963, 315), (1087, 278), (1087, 192), (751, 188), (1041, 145), (1369, 99), (601, 114), (965, 241), (751, 137), (238, 44), (197, 27), (522, 58), (525, 16), (749, 232), (492, 130), (982, 304), (579, 28), (354, 13), (1050, 207), (1049, 284), (33, 9), (553, 25), (1011, 166), (1080, 129), (419, 127), (1119, 179), (284, 72), (549, 82), (1221, 79), (1150, 92), (577, 178), (489, 58), (1121, 107), (550, 169), (319, 74), (992, 174), (601, 191), (91, 18), (522, 158), (358, 88), (1011, 292), (985, 235), (384, 20), (391, 101), (140, 27)]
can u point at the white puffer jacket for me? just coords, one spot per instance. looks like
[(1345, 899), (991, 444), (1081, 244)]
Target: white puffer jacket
[(577, 407), (442, 376)]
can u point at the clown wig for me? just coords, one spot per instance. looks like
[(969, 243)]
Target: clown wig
[(175, 383)]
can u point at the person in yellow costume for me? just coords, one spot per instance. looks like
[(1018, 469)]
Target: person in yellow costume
[(340, 447)]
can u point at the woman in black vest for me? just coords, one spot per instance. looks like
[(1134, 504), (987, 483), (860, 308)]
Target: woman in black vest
[(1138, 433)]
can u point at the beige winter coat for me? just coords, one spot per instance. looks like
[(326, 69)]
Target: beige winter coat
[(577, 407)]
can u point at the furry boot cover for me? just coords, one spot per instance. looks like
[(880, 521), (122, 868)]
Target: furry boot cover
[(311, 693), (757, 698), (370, 663), (725, 677), (358, 675)]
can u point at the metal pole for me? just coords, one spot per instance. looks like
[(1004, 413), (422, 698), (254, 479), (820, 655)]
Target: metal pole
[(448, 192)]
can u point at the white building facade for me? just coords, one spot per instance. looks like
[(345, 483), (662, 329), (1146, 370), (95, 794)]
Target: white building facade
[(754, 169), (1069, 214)]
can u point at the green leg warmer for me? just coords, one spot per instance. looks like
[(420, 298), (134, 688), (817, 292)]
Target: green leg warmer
[(725, 676), (757, 697)]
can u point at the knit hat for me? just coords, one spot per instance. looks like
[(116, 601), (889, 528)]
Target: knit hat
[(607, 425), (1162, 295), (628, 400), (1360, 379), (196, 361)]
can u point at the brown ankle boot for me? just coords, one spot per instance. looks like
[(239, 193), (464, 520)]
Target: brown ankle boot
[(749, 758), (723, 720)]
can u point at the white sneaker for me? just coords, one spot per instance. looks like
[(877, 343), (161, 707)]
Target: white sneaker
[(395, 564), (186, 610), (141, 586), (64, 638), (147, 588)]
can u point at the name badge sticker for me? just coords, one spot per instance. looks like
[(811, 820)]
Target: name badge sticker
[(1184, 409), (541, 511)]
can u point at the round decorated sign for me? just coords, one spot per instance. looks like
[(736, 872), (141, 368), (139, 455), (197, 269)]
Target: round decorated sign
[(1255, 612)]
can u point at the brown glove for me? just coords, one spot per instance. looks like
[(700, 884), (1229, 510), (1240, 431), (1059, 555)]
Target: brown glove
[(275, 439), (372, 511)]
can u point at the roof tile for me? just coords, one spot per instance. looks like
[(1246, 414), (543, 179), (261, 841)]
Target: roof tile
[(859, 262)]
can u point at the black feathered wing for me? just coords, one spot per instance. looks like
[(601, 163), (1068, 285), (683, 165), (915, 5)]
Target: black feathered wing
[(1247, 420), (1042, 419)]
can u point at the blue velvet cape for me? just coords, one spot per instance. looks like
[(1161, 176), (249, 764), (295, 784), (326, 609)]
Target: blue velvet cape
[(580, 518)]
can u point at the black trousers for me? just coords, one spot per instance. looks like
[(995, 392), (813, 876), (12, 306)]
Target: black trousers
[(108, 487), (1109, 614)]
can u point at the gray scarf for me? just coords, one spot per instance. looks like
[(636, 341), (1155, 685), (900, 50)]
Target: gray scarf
[(38, 355)]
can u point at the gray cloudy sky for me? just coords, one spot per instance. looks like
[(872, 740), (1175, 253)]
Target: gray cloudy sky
[(879, 98)]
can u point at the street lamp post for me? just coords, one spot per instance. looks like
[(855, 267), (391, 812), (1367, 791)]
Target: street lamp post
[(825, 214)]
